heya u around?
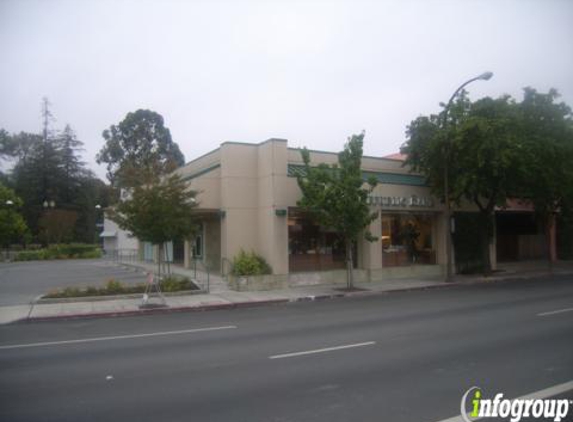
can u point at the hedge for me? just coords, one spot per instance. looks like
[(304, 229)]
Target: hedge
[(71, 251)]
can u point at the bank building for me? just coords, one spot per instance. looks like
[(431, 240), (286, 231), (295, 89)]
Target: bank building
[(247, 200)]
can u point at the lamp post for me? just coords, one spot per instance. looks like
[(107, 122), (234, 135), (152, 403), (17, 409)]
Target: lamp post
[(9, 205), (483, 77), (48, 205), (98, 225)]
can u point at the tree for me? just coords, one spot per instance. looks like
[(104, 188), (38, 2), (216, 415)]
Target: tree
[(495, 146), (138, 148), (37, 178), (71, 166), (158, 212), (484, 150), (547, 129), (48, 167), (19, 146), (12, 225), (336, 196)]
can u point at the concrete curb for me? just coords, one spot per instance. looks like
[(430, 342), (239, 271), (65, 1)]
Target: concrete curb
[(221, 306), (308, 298), (47, 301), (153, 311)]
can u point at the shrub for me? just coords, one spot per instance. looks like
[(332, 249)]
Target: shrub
[(249, 263), (73, 250), (113, 286), (31, 255), (176, 284)]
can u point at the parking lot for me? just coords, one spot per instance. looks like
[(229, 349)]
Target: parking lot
[(22, 282)]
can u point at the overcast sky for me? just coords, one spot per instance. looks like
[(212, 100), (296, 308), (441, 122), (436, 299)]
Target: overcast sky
[(313, 72)]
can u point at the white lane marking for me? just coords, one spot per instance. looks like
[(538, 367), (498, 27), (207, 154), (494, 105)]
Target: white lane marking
[(537, 395), (125, 337), (327, 349), (559, 311)]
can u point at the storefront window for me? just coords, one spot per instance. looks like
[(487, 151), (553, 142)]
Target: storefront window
[(407, 240), (312, 247)]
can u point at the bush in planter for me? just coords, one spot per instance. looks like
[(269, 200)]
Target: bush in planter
[(176, 284), (249, 263)]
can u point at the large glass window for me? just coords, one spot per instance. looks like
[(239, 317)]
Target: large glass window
[(407, 239), (312, 247)]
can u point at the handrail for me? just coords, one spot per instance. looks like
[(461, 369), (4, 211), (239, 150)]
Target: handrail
[(205, 269)]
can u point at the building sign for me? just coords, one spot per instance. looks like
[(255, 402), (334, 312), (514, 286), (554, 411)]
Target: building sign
[(412, 201)]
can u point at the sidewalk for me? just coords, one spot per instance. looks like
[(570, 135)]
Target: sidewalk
[(227, 299)]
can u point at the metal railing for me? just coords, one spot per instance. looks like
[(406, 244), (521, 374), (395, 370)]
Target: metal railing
[(201, 272), (123, 255)]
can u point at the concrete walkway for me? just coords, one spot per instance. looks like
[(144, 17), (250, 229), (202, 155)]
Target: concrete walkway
[(223, 298)]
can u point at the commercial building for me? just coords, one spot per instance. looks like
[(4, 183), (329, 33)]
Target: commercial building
[(247, 200), (247, 196)]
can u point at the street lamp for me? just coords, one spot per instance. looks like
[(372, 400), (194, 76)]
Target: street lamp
[(486, 76), (50, 204)]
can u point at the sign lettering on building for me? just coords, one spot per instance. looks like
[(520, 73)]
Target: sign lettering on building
[(412, 201)]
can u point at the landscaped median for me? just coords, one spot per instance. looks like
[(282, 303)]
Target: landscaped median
[(114, 289), (68, 251)]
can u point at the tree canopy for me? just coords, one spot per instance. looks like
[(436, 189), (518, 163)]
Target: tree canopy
[(12, 225), (158, 212), (337, 196), (138, 148), (47, 167), (496, 149)]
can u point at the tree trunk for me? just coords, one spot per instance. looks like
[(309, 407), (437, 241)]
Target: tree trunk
[(159, 254), (549, 222), (167, 260), (349, 266), (486, 236)]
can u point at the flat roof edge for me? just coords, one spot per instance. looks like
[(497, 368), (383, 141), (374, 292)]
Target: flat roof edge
[(336, 153)]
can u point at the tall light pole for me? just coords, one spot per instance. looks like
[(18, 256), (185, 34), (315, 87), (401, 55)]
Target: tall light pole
[(483, 77)]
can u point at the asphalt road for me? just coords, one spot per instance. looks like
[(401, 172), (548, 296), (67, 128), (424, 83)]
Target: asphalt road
[(22, 282), (398, 357)]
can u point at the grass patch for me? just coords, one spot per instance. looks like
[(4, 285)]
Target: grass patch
[(114, 287)]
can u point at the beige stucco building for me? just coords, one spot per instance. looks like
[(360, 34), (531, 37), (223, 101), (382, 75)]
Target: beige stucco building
[(247, 199)]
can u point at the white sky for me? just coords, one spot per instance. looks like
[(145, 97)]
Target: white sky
[(313, 72)]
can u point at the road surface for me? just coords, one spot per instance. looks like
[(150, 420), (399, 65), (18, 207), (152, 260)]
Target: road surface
[(398, 357)]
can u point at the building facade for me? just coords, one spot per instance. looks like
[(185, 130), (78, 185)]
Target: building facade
[(247, 196)]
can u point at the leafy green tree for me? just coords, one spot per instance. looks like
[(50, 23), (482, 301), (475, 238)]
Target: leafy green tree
[(336, 196), (485, 154), (495, 146), (38, 178), (71, 166), (139, 148), (158, 212), (12, 225), (48, 167), (547, 129)]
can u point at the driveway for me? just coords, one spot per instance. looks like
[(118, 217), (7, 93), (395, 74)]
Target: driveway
[(22, 282)]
